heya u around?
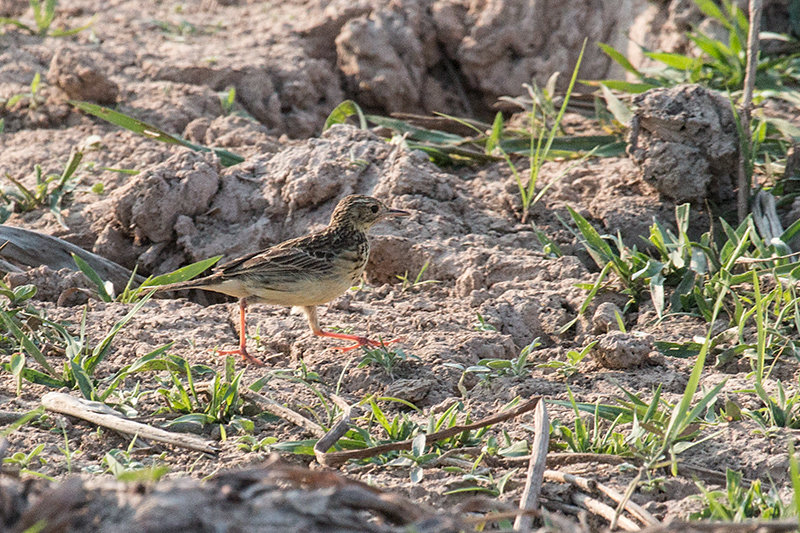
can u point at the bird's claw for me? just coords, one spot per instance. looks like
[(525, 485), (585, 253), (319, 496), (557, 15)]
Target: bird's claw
[(363, 341), (243, 352)]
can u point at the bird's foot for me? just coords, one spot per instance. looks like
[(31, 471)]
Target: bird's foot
[(363, 341), (241, 350)]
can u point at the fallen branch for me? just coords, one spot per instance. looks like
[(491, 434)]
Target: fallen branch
[(335, 459), (581, 482), (34, 249), (599, 508), (274, 408), (535, 478), (91, 412), (633, 508), (592, 485)]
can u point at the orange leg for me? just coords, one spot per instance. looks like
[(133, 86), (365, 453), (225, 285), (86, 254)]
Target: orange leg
[(313, 322), (242, 349)]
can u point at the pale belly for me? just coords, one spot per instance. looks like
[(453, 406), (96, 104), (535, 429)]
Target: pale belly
[(301, 293)]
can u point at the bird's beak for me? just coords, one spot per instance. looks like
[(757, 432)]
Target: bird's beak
[(396, 213)]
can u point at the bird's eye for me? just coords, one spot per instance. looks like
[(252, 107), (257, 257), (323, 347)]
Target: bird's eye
[(374, 208)]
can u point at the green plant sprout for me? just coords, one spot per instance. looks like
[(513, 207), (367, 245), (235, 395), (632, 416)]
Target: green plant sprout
[(43, 16), (408, 284), (22, 199), (384, 358), (569, 367)]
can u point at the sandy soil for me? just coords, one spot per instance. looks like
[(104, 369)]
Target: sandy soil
[(164, 63)]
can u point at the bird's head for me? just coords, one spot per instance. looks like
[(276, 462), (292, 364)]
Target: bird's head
[(362, 212)]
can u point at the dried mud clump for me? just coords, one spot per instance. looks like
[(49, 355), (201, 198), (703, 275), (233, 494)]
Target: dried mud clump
[(448, 55), (684, 140), (618, 351), (147, 210), (77, 74), (53, 285), (605, 317)]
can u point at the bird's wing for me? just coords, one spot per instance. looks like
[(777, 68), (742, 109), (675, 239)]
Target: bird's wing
[(301, 255)]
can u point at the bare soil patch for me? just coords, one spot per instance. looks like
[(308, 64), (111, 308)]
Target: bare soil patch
[(495, 290)]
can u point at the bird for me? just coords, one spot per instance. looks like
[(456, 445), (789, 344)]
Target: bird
[(304, 272)]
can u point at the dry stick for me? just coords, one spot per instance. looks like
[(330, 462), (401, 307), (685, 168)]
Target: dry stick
[(578, 481), (563, 459), (747, 103), (601, 509), (533, 485), (65, 404), (274, 408), (335, 459), (592, 485), (633, 508)]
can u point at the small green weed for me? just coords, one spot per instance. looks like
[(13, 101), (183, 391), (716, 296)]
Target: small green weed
[(415, 459), (250, 444), (482, 325), (739, 502), (418, 281), (122, 465), (43, 16), (220, 403), (721, 64), (569, 367), (34, 99), (81, 359), (24, 461), (485, 483), (384, 358), (518, 367), (539, 150), (22, 199), (227, 99)]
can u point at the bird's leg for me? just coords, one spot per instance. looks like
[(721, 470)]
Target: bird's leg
[(313, 322), (242, 349)]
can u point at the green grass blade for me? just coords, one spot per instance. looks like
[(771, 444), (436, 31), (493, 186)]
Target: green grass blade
[(85, 384), (623, 86), (151, 132), (620, 59), (621, 113), (94, 277), (183, 274), (497, 130), (13, 22), (102, 349), (24, 419), (676, 61), (40, 378), (417, 133), (27, 344), (342, 112), (72, 31), (597, 247), (563, 109)]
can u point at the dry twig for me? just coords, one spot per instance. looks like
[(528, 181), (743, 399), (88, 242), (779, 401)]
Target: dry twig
[(533, 484), (99, 414)]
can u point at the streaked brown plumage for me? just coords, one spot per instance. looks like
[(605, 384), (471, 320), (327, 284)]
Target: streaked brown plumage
[(304, 272)]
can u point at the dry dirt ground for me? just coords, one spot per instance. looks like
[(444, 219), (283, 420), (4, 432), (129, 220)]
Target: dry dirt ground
[(163, 63)]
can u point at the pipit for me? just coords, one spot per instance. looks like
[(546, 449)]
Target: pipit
[(303, 272)]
